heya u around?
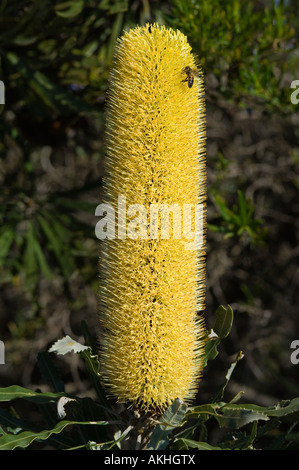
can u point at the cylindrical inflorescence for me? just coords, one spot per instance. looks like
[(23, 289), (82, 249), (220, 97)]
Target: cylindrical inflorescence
[(152, 275)]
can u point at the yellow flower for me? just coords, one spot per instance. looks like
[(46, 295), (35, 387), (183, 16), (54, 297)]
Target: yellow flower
[(152, 288)]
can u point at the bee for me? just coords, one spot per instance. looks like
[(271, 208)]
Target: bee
[(191, 73)]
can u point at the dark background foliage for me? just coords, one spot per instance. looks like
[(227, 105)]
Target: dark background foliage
[(55, 60)]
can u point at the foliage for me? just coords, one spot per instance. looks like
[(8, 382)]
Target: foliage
[(248, 42), (238, 220), (73, 422), (57, 75), (245, 61), (55, 58), (55, 79)]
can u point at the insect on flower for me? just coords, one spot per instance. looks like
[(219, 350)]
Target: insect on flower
[(191, 73)]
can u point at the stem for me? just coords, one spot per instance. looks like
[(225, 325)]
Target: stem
[(141, 428)]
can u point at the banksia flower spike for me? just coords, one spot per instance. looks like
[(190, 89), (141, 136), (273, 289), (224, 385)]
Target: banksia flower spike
[(152, 284)]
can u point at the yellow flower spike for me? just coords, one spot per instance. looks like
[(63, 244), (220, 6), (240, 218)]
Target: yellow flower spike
[(152, 287)]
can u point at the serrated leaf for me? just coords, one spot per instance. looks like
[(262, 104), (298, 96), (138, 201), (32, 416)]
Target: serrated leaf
[(172, 418), (24, 439), (284, 408), (281, 409), (235, 418), (237, 415), (66, 345)]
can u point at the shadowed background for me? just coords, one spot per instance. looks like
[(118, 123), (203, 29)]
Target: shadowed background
[(55, 60)]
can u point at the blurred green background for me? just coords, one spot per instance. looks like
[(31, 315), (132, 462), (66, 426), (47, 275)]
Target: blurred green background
[(55, 60)]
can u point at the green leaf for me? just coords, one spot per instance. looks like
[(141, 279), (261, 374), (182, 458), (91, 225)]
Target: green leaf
[(15, 391), (244, 216), (249, 442), (93, 367), (202, 412), (220, 330), (34, 258), (67, 345), (220, 392), (30, 261), (55, 97), (224, 321), (109, 445), (236, 417), (24, 439), (172, 418), (183, 443), (284, 408), (212, 341), (6, 239), (69, 9), (44, 267), (281, 409), (15, 425), (55, 244)]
